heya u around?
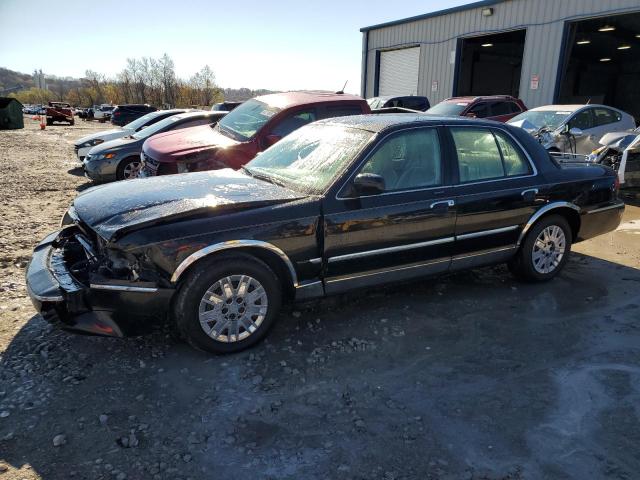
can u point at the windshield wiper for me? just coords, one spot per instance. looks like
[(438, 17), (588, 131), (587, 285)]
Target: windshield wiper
[(266, 178)]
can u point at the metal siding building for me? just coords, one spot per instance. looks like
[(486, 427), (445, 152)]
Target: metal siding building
[(439, 37)]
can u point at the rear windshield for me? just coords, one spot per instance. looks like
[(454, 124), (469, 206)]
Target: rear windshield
[(158, 127), (448, 109)]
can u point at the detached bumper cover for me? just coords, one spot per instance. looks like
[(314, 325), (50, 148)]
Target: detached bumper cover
[(111, 309)]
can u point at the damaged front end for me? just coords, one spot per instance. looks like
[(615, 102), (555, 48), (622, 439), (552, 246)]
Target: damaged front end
[(78, 282)]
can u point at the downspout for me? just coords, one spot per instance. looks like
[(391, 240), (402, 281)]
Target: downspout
[(366, 64)]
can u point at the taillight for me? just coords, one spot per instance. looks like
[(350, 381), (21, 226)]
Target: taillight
[(616, 184)]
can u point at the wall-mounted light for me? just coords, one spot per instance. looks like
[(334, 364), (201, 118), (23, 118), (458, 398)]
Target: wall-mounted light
[(583, 42), (487, 12), (487, 45), (607, 28), (624, 47), (605, 59)]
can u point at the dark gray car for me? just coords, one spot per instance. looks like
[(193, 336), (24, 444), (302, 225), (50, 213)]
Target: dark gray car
[(120, 159)]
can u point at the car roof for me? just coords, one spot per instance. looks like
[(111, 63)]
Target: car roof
[(479, 97), (199, 113), (565, 108), (292, 99), (378, 122)]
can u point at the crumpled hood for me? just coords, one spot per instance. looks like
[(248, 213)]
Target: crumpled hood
[(120, 207), (166, 147), (104, 135), (621, 139)]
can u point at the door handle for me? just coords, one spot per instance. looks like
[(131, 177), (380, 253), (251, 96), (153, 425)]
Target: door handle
[(448, 203), (530, 194)]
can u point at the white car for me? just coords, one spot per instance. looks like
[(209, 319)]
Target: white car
[(103, 113), (84, 144), (573, 129)]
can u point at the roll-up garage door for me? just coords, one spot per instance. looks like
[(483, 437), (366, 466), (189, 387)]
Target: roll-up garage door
[(399, 72)]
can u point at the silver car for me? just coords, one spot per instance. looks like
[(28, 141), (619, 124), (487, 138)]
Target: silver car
[(572, 128)]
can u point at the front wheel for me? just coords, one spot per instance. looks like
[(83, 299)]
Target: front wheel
[(228, 303), (128, 168), (544, 251)]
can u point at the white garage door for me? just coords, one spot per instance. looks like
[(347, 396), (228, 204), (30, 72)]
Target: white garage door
[(399, 72)]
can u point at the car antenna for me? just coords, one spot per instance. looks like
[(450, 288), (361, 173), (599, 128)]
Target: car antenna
[(345, 86)]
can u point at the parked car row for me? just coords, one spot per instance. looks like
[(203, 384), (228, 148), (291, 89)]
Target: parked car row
[(297, 196)]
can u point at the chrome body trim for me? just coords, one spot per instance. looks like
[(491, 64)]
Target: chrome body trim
[(390, 270), (315, 261), (123, 288), (534, 190), (542, 211), (604, 209), (486, 232), (40, 298), (399, 248), (449, 203), (484, 252), (230, 244)]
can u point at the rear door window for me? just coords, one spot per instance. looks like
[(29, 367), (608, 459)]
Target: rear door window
[(478, 154), (341, 111), (503, 108), (415, 103), (605, 116)]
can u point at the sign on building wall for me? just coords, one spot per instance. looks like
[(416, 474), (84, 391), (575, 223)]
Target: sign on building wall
[(434, 86), (535, 81)]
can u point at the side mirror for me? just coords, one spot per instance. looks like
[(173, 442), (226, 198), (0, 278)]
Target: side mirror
[(471, 115), (368, 184), (576, 132), (272, 139)]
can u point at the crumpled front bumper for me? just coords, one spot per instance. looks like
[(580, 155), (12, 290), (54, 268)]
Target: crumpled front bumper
[(110, 308)]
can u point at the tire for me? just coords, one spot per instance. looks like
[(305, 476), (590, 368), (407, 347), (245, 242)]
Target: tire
[(127, 167), (208, 281), (72, 123), (49, 122), (538, 260)]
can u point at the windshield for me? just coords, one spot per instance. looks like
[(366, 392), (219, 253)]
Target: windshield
[(543, 118), (244, 121), (142, 121), (310, 158), (448, 109), (156, 127)]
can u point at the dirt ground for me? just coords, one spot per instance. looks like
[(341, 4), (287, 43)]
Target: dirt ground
[(470, 376)]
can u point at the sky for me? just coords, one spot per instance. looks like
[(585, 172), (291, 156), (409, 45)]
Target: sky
[(277, 44)]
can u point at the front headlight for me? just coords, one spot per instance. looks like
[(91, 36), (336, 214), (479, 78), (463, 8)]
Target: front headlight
[(70, 217), (97, 141), (598, 150)]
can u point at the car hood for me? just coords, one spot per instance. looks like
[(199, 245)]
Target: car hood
[(113, 145), (104, 135), (121, 207), (169, 146)]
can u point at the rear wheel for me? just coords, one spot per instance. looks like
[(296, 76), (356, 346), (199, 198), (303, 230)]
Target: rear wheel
[(228, 304), (544, 251), (128, 168)]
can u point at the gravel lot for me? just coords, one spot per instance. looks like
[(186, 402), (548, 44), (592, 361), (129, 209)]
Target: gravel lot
[(472, 376)]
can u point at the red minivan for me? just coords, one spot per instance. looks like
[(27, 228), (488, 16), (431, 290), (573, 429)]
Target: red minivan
[(491, 107), (244, 132)]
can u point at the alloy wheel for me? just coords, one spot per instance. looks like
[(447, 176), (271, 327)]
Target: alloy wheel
[(548, 249), (131, 170), (233, 308)]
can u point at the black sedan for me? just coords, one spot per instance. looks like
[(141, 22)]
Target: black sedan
[(339, 204), (119, 159)]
